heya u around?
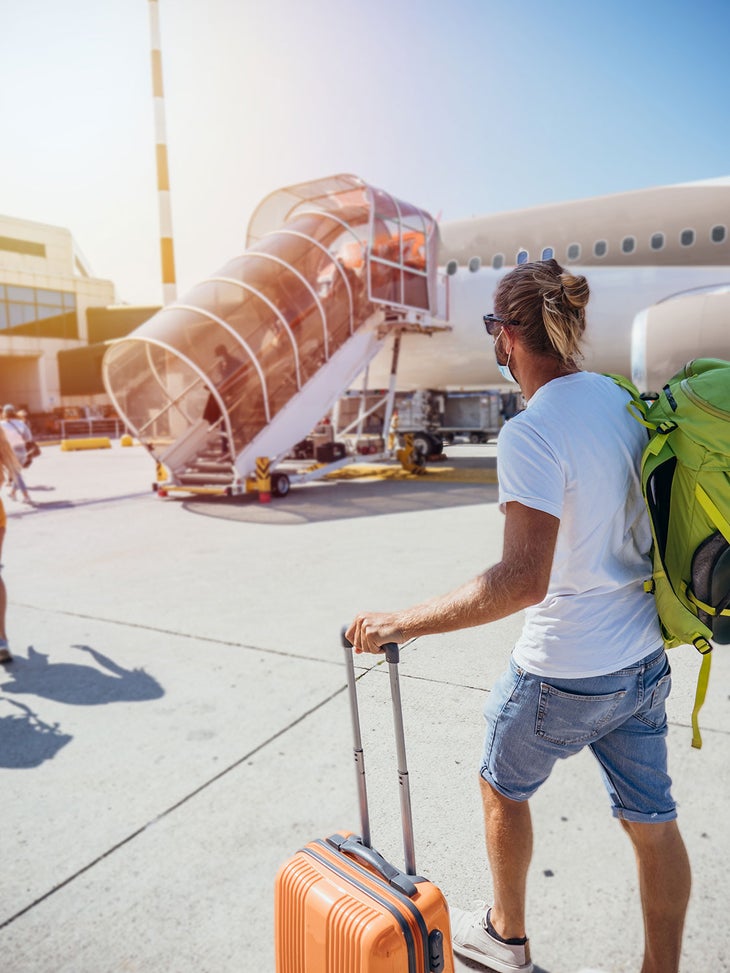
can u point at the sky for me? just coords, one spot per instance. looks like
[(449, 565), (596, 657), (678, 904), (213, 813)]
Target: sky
[(463, 107)]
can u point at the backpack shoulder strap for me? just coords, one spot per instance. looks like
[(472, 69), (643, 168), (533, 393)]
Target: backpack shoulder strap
[(636, 405), (624, 383)]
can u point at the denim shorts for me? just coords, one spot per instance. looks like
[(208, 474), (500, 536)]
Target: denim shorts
[(533, 720)]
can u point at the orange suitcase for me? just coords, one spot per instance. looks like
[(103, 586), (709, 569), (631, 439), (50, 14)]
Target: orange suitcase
[(340, 907)]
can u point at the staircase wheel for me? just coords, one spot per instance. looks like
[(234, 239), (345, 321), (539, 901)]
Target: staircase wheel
[(422, 444), (280, 484)]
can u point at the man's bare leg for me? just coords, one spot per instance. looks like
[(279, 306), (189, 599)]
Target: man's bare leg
[(664, 883), (508, 829)]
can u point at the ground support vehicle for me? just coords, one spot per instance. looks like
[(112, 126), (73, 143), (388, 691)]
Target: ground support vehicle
[(438, 416), (476, 416)]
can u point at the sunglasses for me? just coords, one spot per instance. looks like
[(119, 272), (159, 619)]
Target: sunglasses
[(494, 322)]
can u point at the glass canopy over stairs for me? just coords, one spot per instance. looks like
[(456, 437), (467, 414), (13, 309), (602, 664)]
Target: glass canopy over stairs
[(250, 359)]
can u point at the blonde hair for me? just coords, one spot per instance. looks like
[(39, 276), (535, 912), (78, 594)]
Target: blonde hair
[(9, 464), (548, 304)]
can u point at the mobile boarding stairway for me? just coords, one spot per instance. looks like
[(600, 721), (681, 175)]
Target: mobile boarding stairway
[(251, 359)]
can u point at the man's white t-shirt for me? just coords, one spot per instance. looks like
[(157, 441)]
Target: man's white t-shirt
[(575, 453)]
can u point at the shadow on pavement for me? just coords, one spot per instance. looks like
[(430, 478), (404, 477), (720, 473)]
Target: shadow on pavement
[(79, 684), (27, 740), (467, 964), (325, 501), (41, 505)]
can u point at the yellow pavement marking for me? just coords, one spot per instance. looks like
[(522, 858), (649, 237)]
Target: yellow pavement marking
[(383, 471)]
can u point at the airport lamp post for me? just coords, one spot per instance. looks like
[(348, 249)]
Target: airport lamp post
[(167, 255)]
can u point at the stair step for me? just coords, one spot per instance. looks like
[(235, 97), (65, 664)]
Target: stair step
[(208, 466), (190, 478), (213, 453)]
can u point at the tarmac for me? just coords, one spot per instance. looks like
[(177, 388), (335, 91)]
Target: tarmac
[(175, 724)]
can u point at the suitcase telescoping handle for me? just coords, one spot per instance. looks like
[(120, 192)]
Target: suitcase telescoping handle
[(392, 656)]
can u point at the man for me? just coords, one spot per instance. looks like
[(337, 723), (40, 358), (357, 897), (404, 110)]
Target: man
[(589, 668)]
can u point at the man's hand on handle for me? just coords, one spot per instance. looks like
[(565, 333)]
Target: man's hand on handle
[(371, 630)]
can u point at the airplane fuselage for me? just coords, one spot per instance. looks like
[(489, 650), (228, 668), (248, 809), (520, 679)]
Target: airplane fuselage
[(636, 249)]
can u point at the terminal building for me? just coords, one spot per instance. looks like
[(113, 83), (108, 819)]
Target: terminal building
[(55, 320)]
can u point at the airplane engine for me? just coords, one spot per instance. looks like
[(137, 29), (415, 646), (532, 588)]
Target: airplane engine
[(695, 324)]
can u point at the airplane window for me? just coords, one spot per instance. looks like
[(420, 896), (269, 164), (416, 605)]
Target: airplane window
[(451, 267), (718, 234), (657, 241), (573, 251), (628, 244), (547, 254), (600, 248), (498, 261), (687, 238), (474, 264), (522, 256)]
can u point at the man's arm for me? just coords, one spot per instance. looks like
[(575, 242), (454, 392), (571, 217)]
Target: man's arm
[(518, 580)]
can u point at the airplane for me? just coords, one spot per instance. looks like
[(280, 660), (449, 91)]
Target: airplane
[(341, 283), (658, 265)]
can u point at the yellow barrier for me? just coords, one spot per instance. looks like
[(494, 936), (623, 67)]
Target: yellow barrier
[(99, 442), (408, 457), (126, 440), (263, 478)]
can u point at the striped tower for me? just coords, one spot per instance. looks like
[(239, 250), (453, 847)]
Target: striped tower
[(167, 255)]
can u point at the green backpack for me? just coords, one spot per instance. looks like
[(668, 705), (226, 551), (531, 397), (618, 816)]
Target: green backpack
[(685, 478)]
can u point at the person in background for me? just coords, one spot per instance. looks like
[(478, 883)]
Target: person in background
[(8, 469), (589, 669), (22, 415), (19, 436)]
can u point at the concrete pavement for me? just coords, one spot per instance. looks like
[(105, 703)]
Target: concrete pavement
[(175, 725)]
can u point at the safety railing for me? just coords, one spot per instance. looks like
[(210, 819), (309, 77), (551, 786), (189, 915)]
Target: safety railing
[(114, 428)]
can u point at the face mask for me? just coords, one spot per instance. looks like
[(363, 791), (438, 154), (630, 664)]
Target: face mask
[(504, 369)]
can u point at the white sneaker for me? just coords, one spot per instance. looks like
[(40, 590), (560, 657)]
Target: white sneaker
[(471, 939)]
